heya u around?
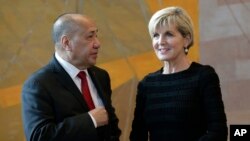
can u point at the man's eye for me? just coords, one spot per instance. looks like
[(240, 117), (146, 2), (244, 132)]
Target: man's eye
[(90, 36)]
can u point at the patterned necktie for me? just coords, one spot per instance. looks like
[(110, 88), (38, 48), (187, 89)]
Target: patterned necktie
[(85, 90)]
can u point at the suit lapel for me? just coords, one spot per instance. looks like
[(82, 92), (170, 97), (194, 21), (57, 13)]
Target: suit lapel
[(67, 82)]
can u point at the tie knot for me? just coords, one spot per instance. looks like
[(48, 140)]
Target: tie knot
[(82, 74)]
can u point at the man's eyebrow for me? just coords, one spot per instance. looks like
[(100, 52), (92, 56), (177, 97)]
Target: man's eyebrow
[(94, 31)]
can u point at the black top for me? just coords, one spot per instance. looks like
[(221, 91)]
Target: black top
[(183, 106)]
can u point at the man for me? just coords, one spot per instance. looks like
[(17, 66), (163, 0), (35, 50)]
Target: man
[(54, 104)]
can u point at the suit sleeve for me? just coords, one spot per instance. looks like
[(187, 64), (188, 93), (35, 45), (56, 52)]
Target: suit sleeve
[(139, 131), (213, 106), (113, 130), (39, 117)]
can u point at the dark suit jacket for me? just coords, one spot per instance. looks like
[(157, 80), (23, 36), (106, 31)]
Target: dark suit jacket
[(54, 110)]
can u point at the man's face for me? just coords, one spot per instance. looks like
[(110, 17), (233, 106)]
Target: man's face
[(84, 45)]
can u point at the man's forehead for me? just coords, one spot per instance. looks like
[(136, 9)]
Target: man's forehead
[(90, 30)]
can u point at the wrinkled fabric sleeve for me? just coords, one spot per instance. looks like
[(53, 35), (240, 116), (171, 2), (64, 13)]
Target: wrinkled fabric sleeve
[(40, 121), (213, 106), (139, 130)]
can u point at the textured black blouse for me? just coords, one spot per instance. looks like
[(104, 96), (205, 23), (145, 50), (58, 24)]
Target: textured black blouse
[(183, 106)]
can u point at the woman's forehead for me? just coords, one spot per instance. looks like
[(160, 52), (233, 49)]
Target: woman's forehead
[(165, 26)]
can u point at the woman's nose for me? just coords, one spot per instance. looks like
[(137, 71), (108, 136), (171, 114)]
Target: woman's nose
[(161, 40)]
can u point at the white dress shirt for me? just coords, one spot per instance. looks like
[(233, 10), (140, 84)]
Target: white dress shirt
[(73, 71)]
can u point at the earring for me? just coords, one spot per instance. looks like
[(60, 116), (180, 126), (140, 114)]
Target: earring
[(186, 50)]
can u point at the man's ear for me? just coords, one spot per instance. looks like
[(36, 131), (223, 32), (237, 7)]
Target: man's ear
[(65, 43)]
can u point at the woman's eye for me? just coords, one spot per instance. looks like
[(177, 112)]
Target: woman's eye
[(169, 34), (155, 35)]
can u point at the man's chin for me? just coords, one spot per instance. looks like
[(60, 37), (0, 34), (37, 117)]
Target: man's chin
[(92, 63)]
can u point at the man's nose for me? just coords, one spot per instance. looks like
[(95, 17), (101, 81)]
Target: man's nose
[(97, 43)]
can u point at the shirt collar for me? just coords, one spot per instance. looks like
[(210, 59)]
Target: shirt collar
[(69, 68)]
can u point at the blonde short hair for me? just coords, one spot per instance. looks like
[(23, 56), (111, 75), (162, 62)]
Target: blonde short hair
[(172, 16)]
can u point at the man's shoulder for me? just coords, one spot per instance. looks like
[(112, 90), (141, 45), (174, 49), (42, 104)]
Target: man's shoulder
[(97, 69), (43, 73)]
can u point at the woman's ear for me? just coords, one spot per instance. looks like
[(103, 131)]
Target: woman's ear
[(187, 40), (65, 43)]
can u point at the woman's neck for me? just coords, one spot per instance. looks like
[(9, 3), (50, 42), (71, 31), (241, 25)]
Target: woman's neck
[(177, 66)]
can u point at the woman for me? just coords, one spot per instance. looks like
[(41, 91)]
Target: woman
[(181, 101)]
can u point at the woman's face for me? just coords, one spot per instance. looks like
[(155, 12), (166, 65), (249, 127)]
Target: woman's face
[(168, 43)]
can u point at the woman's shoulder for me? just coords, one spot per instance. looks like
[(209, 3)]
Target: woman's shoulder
[(152, 75), (202, 67), (205, 72)]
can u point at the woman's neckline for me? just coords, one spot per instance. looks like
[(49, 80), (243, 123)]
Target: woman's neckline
[(162, 69)]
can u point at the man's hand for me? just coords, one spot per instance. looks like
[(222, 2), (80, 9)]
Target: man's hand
[(100, 115)]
